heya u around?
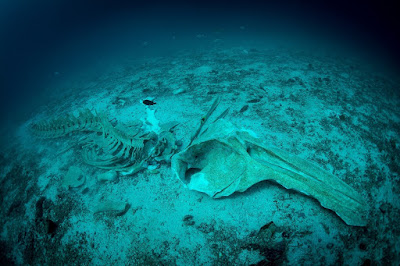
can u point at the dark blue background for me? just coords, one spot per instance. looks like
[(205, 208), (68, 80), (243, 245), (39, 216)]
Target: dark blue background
[(41, 37)]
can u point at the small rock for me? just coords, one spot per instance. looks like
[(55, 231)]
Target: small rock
[(244, 109), (362, 246), (178, 91), (74, 178), (188, 220), (329, 246), (117, 208), (107, 176), (384, 207)]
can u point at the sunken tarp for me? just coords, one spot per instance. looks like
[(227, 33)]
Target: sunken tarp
[(223, 160)]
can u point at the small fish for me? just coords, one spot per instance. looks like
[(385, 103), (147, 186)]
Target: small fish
[(148, 102)]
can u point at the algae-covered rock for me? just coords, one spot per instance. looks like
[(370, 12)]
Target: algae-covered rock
[(74, 178), (112, 207), (107, 176)]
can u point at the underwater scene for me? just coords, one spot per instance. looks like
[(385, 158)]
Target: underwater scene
[(198, 133)]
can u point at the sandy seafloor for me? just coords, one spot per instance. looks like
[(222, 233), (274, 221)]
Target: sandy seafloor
[(331, 110)]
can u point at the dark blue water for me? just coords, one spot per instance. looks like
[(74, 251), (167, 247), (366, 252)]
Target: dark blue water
[(39, 39)]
